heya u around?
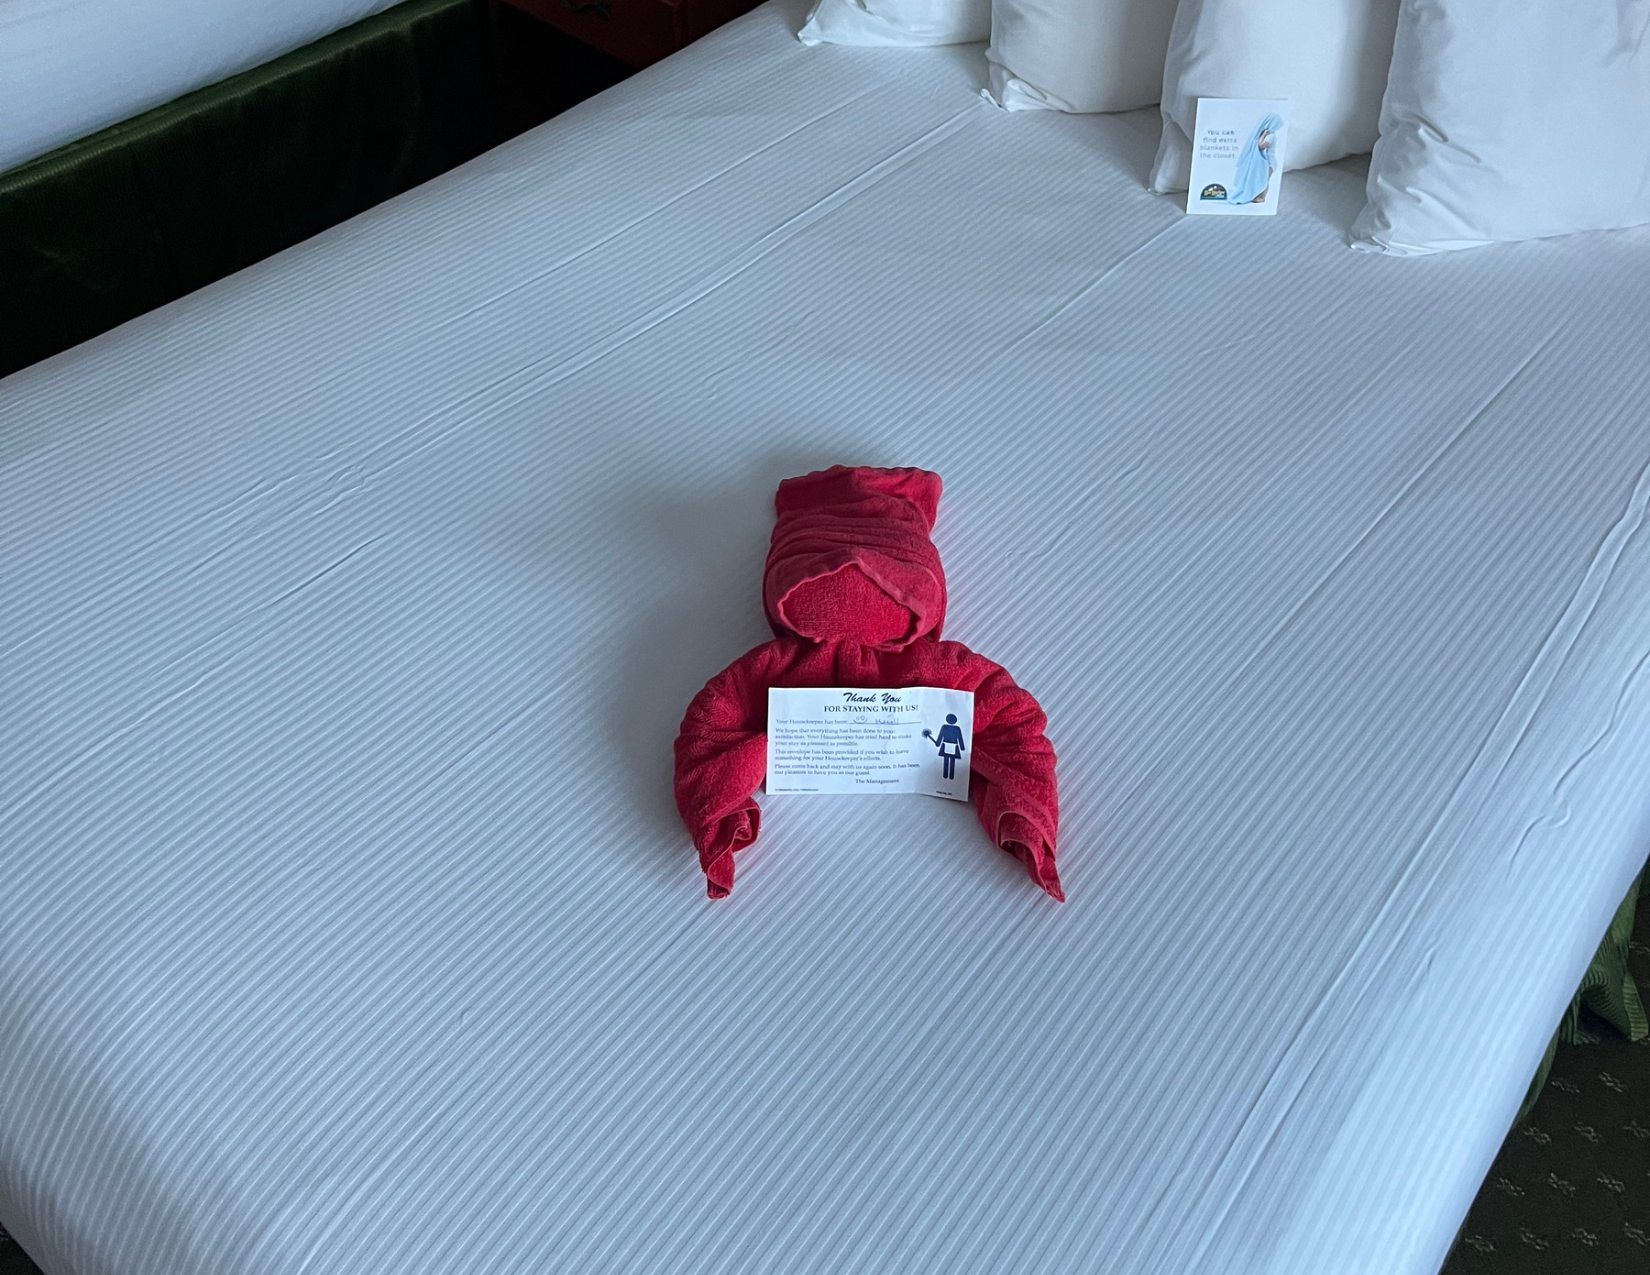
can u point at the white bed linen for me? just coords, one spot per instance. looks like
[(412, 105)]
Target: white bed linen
[(71, 67), (348, 609)]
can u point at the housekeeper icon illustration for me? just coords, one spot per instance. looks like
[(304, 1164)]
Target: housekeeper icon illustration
[(950, 743)]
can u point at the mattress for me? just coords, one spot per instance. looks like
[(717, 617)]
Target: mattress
[(349, 606), (71, 67)]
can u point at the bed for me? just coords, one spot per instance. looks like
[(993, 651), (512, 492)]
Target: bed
[(348, 608)]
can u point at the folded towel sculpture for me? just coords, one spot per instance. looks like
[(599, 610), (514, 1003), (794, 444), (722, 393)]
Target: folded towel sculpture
[(855, 593)]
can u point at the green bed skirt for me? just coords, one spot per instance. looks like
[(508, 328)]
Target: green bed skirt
[(1608, 991), (108, 227)]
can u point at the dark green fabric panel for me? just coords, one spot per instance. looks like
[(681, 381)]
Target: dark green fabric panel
[(1608, 990), (142, 212)]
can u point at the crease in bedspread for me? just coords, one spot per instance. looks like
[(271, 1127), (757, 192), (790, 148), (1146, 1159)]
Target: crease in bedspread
[(245, 518), (112, 734), (1426, 468), (535, 376), (1259, 1134), (532, 376), (261, 608), (1567, 630), (1561, 816), (1362, 539), (1317, 1027), (1349, 997), (1588, 594), (1267, 1148), (1076, 298), (636, 222)]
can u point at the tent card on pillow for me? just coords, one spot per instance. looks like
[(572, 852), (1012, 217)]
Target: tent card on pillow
[(1237, 156), (1328, 57)]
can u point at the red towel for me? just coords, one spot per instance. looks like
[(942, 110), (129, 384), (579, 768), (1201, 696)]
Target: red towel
[(851, 558), (856, 594)]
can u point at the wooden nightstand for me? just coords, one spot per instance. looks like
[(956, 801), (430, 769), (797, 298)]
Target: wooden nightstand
[(635, 32)]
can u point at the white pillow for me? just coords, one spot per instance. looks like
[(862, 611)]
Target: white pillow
[(1078, 55), (1328, 57), (1511, 119), (897, 22)]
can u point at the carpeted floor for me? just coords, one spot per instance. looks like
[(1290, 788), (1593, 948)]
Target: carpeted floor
[(1569, 1193)]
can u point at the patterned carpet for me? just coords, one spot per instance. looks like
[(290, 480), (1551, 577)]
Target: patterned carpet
[(1569, 1193)]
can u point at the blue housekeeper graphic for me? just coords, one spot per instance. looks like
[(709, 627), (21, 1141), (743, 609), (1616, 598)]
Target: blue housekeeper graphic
[(1256, 164), (950, 743)]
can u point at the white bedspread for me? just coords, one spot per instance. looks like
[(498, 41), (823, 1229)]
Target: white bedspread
[(348, 609), (71, 67)]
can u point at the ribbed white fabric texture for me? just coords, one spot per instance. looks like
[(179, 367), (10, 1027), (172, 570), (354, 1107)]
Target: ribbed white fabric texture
[(71, 67), (348, 609)]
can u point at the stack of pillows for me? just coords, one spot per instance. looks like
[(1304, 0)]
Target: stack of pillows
[(1489, 120)]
